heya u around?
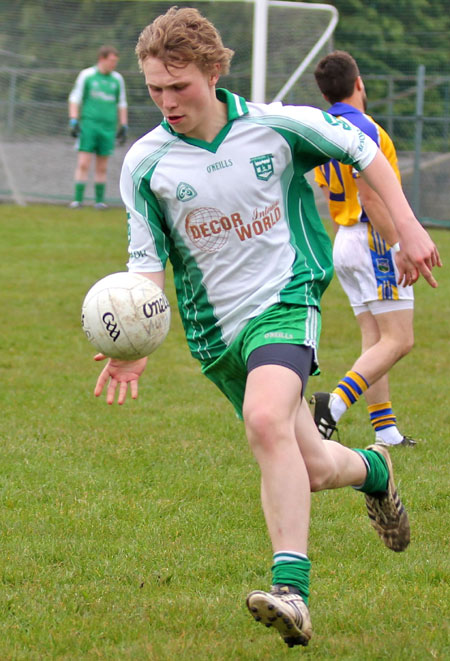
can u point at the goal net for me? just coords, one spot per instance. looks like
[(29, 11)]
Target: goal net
[(45, 43)]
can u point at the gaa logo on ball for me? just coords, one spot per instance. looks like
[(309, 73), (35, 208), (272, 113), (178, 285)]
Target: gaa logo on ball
[(125, 316)]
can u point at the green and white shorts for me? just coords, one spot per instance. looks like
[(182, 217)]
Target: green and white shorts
[(282, 323)]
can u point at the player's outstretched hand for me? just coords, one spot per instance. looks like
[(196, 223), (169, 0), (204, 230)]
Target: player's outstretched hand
[(420, 252), (119, 374), (408, 274)]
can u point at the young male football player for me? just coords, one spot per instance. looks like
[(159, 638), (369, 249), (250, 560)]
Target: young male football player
[(98, 114), (219, 190), (365, 264)]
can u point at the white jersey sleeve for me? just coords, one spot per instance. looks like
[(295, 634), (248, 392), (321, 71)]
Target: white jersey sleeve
[(76, 95), (122, 93), (323, 135), (147, 247)]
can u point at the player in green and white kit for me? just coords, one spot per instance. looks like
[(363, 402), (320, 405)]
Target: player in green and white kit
[(96, 104), (219, 190)]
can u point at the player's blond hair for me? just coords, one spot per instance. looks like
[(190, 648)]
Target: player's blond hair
[(183, 36)]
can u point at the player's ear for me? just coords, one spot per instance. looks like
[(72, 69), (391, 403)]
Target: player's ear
[(359, 85), (214, 74)]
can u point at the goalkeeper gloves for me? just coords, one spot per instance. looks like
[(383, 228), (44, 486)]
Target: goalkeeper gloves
[(74, 128), (122, 134)]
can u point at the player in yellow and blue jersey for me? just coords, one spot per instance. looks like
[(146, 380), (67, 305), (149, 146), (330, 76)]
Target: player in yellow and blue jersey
[(364, 263)]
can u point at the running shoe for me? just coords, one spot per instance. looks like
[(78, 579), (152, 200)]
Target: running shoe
[(386, 511), (284, 609), (325, 422), (406, 441)]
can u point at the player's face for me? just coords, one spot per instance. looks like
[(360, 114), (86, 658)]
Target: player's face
[(109, 63), (185, 96)]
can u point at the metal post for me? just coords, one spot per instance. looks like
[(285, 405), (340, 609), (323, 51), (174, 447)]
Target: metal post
[(11, 103), (259, 56), (418, 138), (445, 145)]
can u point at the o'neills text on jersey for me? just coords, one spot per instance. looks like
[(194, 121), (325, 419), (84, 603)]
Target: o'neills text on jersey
[(219, 165)]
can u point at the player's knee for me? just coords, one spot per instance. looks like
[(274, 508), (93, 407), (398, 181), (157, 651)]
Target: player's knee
[(263, 426), (82, 171), (408, 344), (404, 346)]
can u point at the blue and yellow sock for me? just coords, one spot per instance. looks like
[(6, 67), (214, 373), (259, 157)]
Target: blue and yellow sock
[(351, 387), (382, 416), (292, 568)]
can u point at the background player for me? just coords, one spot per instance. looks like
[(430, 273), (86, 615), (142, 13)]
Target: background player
[(96, 104), (364, 262), (249, 276)]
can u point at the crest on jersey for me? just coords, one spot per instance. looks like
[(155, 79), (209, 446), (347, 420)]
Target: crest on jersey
[(263, 166), (185, 192), (383, 265)]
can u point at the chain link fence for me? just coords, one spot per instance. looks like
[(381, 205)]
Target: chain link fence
[(45, 43), (37, 156)]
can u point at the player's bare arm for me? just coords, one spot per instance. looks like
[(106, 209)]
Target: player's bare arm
[(158, 277), (74, 110), (414, 240), (377, 212), (380, 219)]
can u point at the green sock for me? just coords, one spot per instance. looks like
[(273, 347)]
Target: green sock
[(99, 192), (79, 190), (377, 472), (291, 568)]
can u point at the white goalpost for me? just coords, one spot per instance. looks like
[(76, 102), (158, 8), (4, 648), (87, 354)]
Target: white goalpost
[(9, 177), (260, 30)]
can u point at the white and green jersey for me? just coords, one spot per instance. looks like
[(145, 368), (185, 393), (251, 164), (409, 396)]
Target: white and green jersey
[(99, 95), (236, 217)]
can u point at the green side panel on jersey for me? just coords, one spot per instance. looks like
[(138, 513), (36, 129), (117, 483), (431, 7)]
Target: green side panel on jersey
[(313, 266), (197, 320)]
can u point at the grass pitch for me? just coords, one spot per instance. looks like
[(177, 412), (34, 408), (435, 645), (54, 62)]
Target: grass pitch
[(135, 532)]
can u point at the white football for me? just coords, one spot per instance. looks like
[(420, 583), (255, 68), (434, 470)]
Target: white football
[(125, 316)]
